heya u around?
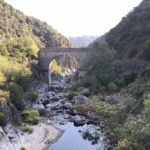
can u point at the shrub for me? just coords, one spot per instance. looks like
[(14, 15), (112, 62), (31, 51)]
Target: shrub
[(85, 92), (112, 87), (101, 108), (124, 145), (28, 130), (42, 112), (16, 118), (31, 116), (2, 119), (32, 96), (4, 94), (71, 94), (24, 81), (17, 96)]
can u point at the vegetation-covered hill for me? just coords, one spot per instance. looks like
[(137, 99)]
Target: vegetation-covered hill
[(120, 75), (131, 37), (20, 39), (14, 23)]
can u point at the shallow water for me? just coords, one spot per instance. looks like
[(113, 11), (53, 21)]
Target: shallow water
[(72, 138)]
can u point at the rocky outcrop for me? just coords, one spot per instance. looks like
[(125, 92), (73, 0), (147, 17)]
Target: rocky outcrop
[(5, 143)]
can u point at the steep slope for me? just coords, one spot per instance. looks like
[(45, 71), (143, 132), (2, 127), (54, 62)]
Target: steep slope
[(131, 37), (20, 39), (14, 23)]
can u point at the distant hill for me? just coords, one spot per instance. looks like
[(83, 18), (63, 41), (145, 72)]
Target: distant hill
[(82, 41)]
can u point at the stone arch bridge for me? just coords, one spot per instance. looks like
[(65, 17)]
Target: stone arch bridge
[(46, 55)]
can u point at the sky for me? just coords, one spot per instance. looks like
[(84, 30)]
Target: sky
[(77, 17)]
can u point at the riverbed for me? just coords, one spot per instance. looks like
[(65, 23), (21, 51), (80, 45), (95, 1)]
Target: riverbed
[(78, 138)]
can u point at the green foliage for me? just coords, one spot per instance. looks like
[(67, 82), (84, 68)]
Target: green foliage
[(125, 78), (55, 67), (31, 116), (131, 36), (100, 70), (147, 103), (32, 96), (99, 107), (135, 133), (28, 129), (17, 95), (71, 94), (46, 34), (20, 40), (112, 87), (2, 119), (4, 94)]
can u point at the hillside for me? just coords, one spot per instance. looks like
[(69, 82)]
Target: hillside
[(120, 75), (20, 39), (14, 23), (82, 41), (131, 37)]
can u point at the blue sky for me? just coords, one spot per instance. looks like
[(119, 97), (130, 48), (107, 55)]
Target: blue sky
[(77, 17)]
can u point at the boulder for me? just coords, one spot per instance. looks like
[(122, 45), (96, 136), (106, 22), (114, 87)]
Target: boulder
[(56, 88), (67, 105), (50, 94), (54, 98), (38, 106), (78, 120), (80, 99)]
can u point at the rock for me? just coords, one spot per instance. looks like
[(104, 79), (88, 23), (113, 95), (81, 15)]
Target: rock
[(54, 98), (92, 118), (78, 120), (46, 102), (113, 99), (62, 95), (56, 88), (53, 106), (80, 99), (13, 134), (38, 106), (50, 94), (73, 112), (5, 143), (146, 95), (67, 106)]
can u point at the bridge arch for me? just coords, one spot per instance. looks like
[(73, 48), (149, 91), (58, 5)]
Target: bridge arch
[(46, 55), (62, 64)]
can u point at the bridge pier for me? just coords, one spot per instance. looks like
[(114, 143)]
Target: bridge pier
[(47, 76)]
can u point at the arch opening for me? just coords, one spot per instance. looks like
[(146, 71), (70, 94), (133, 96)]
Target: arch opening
[(61, 67)]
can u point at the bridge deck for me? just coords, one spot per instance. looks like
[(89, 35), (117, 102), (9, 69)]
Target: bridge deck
[(59, 49)]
